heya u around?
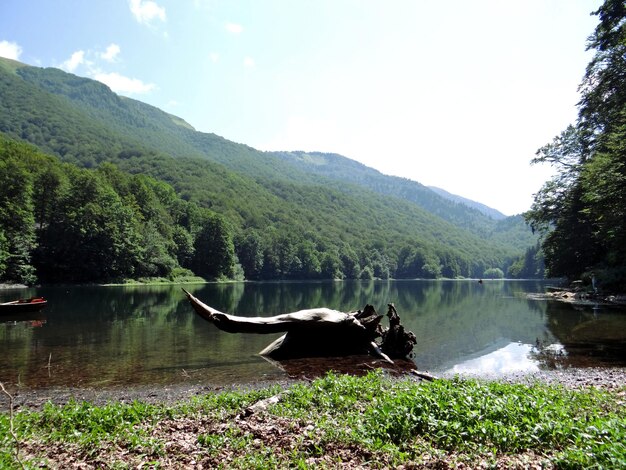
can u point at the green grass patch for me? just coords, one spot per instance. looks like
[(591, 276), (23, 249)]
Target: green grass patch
[(585, 428), (372, 421)]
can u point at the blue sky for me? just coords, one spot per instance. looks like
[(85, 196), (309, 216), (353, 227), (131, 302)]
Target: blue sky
[(457, 94)]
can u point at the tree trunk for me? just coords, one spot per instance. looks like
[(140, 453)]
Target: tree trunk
[(319, 332)]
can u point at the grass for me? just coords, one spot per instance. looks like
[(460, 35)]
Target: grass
[(335, 422)]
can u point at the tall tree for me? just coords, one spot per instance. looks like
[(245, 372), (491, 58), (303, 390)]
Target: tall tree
[(17, 221), (603, 117), (4, 254), (250, 254), (214, 250), (581, 212)]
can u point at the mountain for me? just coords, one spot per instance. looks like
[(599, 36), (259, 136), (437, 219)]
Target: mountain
[(469, 215), (488, 211), (287, 200)]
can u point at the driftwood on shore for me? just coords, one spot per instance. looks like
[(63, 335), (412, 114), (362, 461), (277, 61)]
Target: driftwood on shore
[(319, 332)]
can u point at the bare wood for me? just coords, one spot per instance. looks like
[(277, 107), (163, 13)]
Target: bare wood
[(424, 375), (318, 332), (374, 348), (263, 405), (312, 318)]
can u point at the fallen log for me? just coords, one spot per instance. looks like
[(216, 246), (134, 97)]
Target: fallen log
[(319, 332)]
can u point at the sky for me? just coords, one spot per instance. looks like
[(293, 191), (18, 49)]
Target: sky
[(455, 94)]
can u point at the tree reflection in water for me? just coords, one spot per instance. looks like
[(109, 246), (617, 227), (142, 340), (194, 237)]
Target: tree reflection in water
[(120, 336)]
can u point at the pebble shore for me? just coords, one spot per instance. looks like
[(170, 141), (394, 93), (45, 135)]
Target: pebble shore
[(605, 378)]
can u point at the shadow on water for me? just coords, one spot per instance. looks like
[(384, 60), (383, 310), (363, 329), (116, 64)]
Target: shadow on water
[(143, 335), (314, 367)]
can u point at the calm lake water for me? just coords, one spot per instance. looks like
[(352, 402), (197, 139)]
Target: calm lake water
[(117, 336)]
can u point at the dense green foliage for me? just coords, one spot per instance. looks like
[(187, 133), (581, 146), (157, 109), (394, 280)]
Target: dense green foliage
[(63, 223), (582, 210), (334, 421), (70, 224), (530, 266), (286, 215), (511, 230)]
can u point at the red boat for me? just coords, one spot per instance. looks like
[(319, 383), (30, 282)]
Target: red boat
[(33, 304)]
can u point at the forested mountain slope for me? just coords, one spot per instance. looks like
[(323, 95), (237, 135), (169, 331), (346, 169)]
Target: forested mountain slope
[(488, 211), (286, 219), (512, 231)]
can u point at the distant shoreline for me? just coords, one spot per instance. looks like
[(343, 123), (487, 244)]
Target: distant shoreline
[(582, 298), (199, 280)]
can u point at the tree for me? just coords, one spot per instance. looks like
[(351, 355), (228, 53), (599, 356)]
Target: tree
[(250, 255), (603, 92), (493, 273), (92, 235), (367, 273), (183, 242), (155, 260), (581, 212), (379, 264), (214, 250), (350, 262), (17, 221), (50, 187), (331, 266), (431, 269), (529, 266), (308, 255), (4, 254), (418, 262), (604, 183)]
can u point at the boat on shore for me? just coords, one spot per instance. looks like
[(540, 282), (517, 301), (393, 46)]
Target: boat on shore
[(34, 304)]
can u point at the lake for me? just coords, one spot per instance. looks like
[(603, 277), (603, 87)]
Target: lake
[(100, 336)]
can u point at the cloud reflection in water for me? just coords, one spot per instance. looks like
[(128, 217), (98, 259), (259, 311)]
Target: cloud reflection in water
[(514, 357)]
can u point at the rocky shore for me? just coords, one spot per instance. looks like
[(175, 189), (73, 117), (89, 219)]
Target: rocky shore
[(606, 378), (578, 297)]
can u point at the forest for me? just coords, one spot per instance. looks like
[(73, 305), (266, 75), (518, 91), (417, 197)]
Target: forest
[(101, 188), (62, 223), (581, 212)]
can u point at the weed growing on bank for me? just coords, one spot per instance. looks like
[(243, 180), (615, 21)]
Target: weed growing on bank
[(334, 422)]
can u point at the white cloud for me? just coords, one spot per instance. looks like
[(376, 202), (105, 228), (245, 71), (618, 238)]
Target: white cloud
[(145, 11), (214, 56), (234, 28), (71, 64), (110, 55), (121, 84), (248, 62), (117, 82), (308, 134), (10, 50), (204, 4)]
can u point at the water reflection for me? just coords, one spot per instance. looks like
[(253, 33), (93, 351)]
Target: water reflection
[(588, 335), (514, 357), (104, 336)]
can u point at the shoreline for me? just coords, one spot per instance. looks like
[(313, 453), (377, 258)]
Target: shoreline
[(610, 378), (581, 298)]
